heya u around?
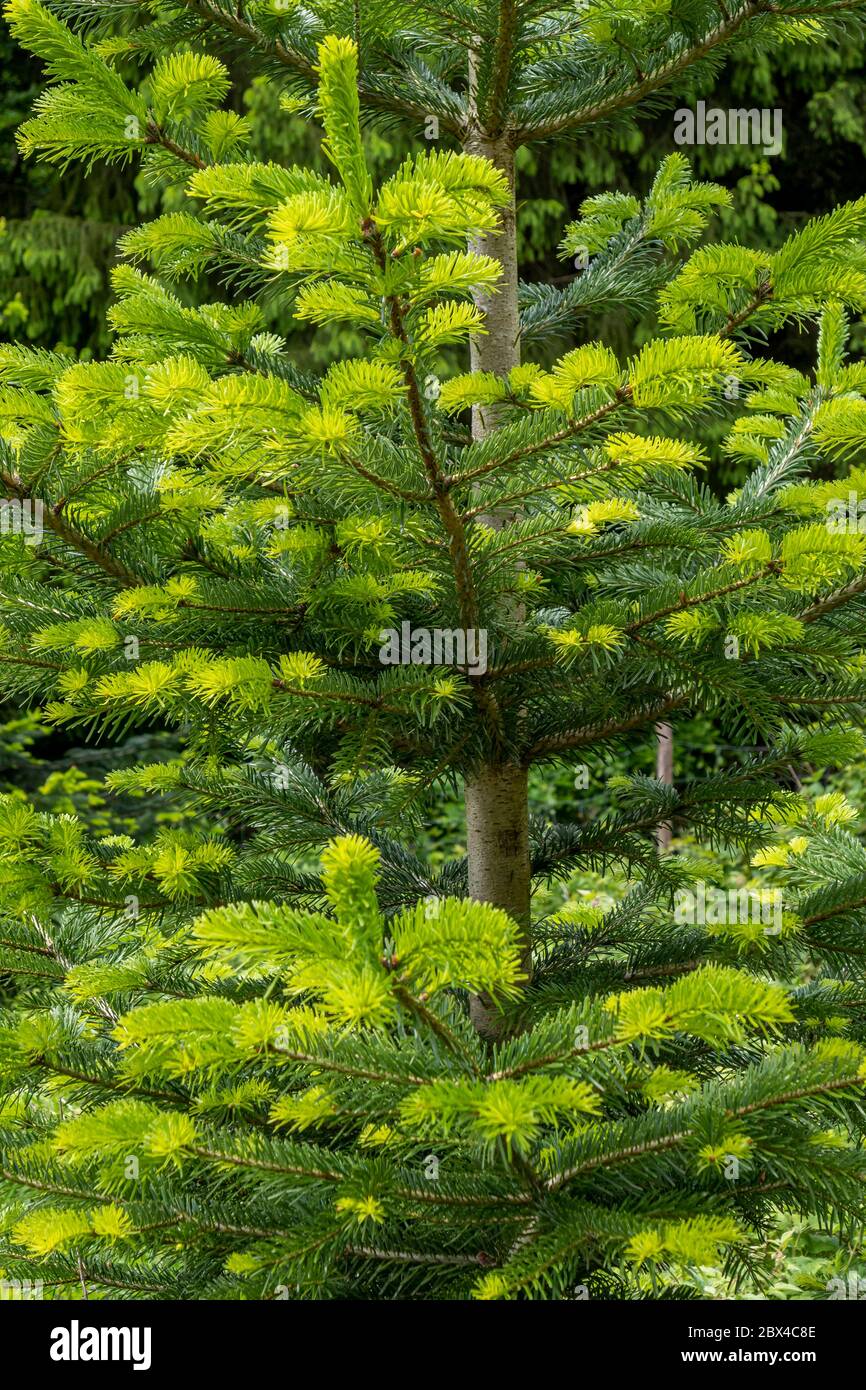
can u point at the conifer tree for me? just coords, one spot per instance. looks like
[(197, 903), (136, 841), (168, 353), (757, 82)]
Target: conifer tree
[(344, 591)]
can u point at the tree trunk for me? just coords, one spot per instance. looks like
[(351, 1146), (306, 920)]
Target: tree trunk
[(497, 845), (664, 773), (497, 815), (497, 350)]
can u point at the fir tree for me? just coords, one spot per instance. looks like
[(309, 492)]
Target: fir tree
[(239, 551)]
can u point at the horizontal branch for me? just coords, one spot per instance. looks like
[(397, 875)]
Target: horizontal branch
[(299, 63), (648, 83), (593, 733), (834, 600)]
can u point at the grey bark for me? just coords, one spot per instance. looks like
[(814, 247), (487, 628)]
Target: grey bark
[(497, 817), (497, 350), (497, 843), (664, 773)]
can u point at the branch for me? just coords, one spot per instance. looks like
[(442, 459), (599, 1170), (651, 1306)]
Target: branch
[(251, 37), (834, 600), (76, 539), (683, 603), (734, 321), (592, 733), (670, 69), (623, 394), (449, 516), (631, 96), (156, 136), (670, 1141), (384, 483), (537, 488), (417, 1257)]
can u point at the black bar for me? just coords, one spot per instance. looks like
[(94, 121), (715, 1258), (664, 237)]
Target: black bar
[(56, 1339)]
